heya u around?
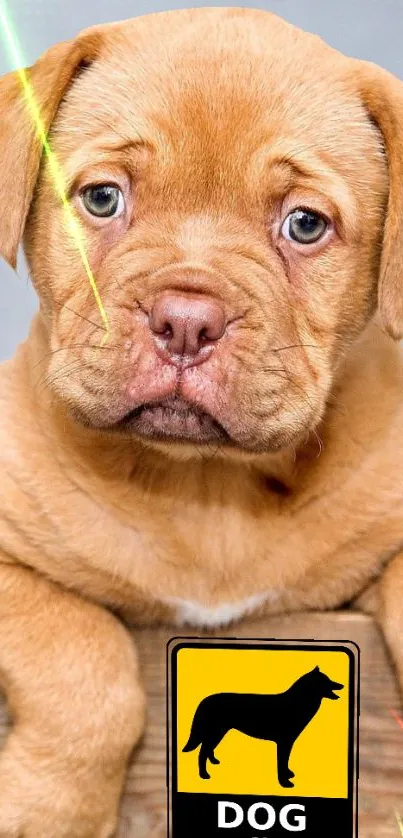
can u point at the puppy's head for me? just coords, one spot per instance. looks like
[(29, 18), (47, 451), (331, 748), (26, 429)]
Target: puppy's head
[(237, 187)]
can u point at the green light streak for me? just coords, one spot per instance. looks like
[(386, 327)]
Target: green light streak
[(55, 170)]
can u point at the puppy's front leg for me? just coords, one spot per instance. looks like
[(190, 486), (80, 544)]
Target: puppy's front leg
[(391, 611), (70, 674)]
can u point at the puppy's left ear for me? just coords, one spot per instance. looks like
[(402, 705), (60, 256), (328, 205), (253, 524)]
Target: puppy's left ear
[(20, 144), (382, 96)]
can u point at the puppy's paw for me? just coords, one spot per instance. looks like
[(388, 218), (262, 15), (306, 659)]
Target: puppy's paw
[(43, 805), (41, 820)]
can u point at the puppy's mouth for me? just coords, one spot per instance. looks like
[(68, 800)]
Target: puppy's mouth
[(174, 420)]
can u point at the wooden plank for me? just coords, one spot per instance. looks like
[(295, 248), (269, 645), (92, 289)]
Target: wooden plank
[(143, 812)]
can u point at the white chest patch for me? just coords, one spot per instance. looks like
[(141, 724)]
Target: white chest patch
[(203, 616)]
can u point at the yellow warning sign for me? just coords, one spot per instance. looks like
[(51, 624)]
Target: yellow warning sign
[(257, 723)]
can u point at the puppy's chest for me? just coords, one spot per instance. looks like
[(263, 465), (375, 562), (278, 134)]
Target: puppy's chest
[(232, 568), (210, 568), (222, 568)]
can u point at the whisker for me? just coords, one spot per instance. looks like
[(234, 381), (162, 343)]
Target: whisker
[(81, 316), (296, 346), (320, 443), (277, 370), (69, 346), (48, 380)]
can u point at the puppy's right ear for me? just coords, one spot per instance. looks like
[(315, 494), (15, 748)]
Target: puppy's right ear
[(382, 95), (20, 144)]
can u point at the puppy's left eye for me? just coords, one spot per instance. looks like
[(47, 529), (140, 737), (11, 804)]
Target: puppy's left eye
[(103, 200), (304, 226)]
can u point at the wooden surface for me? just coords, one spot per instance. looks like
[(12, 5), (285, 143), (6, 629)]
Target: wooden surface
[(381, 740)]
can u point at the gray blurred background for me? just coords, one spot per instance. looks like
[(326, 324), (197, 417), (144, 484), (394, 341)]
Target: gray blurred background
[(369, 29)]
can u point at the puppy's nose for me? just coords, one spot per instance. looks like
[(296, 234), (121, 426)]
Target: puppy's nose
[(186, 323)]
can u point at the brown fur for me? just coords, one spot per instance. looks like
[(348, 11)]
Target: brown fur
[(215, 123)]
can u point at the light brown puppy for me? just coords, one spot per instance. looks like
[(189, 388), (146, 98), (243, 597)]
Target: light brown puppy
[(235, 443)]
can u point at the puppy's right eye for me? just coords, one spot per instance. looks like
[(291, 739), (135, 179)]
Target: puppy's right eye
[(103, 200), (304, 226)]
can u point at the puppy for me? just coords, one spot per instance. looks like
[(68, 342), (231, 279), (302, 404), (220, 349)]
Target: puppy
[(223, 435)]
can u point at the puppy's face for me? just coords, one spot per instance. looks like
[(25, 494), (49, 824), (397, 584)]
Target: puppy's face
[(231, 189)]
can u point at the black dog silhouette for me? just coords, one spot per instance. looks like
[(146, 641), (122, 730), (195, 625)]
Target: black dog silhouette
[(279, 718)]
